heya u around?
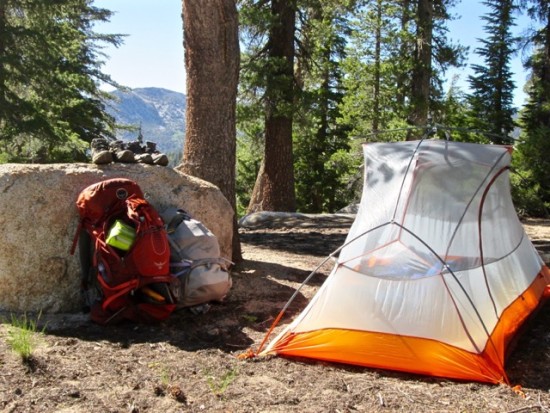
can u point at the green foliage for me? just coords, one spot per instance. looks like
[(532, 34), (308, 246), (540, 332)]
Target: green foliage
[(526, 190), (174, 158), (267, 86), (532, 193), (535, 150), (249, 156), (348, 177), (50, 61), (379, 65), (218, 385), (250, 137), (23, 336), (250, 318), (492, 97), (376, 79), (353, 75), (162, 371), (318, 135)]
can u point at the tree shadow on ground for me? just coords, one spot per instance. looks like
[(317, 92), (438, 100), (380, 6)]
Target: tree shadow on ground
[(285, 273), (253, 303), (293, 220), (529, 362), (302, 243)]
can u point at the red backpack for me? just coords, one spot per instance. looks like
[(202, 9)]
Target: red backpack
[(124, 252)]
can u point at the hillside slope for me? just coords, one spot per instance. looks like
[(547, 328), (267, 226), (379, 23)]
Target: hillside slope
[(159, 112)]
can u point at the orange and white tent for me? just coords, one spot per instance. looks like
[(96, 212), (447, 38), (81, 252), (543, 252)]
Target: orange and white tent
[(436, 275)]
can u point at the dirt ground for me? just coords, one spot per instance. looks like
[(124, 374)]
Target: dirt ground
[(189, 362)]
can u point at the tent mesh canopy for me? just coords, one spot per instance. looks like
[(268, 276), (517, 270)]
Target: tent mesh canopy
[(437, 273)]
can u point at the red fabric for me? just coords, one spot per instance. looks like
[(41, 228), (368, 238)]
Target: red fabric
[(123, 273)]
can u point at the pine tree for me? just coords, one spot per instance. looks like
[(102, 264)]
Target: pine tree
[(398, 55), (535, 118), (319, 140), (318, 136), (492, 85), (422, 64), (377, 68), (273, 77), (51, 104)]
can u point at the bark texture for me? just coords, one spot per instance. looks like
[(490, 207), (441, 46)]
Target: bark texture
[(422, 71), (274, 187), (211, 43)]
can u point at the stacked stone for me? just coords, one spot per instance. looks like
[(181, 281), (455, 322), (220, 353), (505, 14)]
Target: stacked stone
[(104, 152)]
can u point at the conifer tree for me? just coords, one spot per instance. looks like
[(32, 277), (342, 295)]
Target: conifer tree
[(492, 86), (272, 66), (422, 64), (377, 68), (398, 55), (51, 104), (535, 118), (319, 138)]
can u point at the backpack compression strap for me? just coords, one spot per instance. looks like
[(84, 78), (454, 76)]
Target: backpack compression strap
[(117, 291)]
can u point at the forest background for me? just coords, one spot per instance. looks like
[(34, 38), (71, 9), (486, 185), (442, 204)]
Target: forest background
[(316, 79)]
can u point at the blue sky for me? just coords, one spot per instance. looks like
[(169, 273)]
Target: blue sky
[(152, 54)]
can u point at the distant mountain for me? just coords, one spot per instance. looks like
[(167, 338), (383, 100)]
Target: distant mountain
[(159, 112)]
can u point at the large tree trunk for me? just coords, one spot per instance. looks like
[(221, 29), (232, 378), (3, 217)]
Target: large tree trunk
[(211, 43), (545, 74), (404, 47), (422, 71), (377, 69), (274, 187), (3, 36)]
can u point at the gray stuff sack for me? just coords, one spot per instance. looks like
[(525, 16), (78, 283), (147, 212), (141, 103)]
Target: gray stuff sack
[(200, 273)]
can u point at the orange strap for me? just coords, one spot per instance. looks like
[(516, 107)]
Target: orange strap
[(119, 290)]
